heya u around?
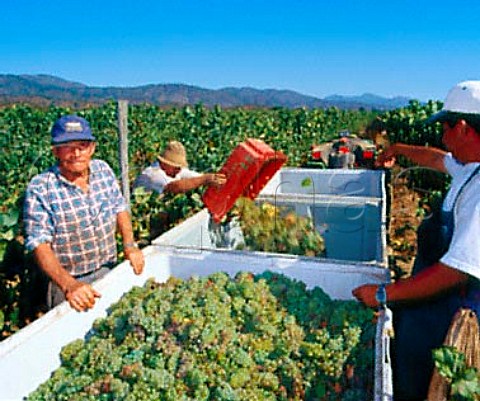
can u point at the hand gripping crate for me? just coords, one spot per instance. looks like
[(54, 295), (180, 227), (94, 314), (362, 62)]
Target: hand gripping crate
[(248, 169)]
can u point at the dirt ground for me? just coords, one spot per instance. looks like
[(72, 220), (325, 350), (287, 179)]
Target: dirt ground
[(403, 222)]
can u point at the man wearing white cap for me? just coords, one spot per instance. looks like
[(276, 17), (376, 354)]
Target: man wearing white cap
[(171, 174), (446, 273)]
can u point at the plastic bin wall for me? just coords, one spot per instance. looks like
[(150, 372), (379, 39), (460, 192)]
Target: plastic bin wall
[(28, 357), (354, 228), (248, 169), (348, 208), (342, 182)]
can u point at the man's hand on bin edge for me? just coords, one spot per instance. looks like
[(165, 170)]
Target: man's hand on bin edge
[(81, 296), (136, 258), (367, 294)]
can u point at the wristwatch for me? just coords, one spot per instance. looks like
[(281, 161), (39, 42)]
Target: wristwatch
[(130, 245), (381, 295)]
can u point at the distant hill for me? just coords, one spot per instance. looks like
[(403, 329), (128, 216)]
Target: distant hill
[(46, 89), (373, 100)]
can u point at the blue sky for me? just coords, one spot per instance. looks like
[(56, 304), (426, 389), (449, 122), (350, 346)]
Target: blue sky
[(409, 48)]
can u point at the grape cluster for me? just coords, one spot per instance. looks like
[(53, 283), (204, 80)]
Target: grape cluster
[(269, 228), (263, 337)]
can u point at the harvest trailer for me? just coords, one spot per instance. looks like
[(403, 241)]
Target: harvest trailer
[(28, 357)]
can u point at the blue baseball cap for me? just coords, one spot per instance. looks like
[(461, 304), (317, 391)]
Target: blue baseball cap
[(71, 128)]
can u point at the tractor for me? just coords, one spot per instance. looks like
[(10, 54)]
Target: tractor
[(348, 151)]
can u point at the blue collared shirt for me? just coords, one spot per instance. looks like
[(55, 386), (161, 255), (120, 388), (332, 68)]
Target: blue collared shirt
[(80, 226)]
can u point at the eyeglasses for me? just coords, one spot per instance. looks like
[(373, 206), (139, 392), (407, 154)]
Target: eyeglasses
[(71, 147)]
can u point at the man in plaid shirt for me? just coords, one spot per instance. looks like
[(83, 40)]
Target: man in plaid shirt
[(71, 214)]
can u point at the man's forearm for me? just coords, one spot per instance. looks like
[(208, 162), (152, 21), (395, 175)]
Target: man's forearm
[(132, 253), (124, 224), (422, 155), (428, 283), (49, 263), (185, 184)]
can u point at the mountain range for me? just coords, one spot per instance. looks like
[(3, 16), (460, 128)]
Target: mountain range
[(46, 89)]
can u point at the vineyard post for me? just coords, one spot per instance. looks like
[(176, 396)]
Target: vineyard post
[(123, 146)]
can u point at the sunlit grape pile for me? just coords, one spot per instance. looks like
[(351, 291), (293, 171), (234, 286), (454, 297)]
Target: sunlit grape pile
[(216, 338), (269, 228)]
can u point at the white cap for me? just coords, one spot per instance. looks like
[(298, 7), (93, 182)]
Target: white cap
[(462, 98)]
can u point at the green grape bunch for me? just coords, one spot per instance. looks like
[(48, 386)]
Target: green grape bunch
[(251, 337)]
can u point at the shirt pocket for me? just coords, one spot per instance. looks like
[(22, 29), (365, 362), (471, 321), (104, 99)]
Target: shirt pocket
[(72, 225), (103, 214)]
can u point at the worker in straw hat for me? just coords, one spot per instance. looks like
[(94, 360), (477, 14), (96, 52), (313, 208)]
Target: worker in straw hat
[(446, 274), (170, 173)]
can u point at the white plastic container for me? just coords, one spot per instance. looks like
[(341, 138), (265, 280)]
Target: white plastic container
[(28, 357), (354, 228), (341, 182), (348, 208)]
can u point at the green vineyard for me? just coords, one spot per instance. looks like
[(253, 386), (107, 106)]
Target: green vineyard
[(209, 135)]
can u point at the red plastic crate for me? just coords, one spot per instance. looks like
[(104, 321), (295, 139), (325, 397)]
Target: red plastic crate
[(248, 169)]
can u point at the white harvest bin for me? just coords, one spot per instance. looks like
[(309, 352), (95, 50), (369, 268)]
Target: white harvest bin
[(347, 207), (354, 228), (28, 357), (343, 182)]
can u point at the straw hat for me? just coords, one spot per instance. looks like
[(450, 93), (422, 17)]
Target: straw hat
[(174, 155)]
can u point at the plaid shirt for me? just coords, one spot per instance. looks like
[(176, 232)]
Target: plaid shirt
[(80, 226)]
